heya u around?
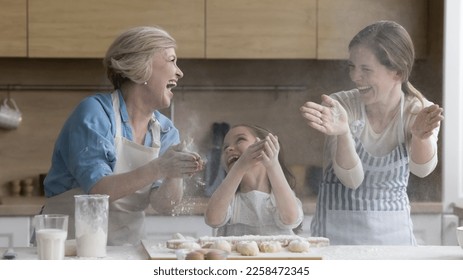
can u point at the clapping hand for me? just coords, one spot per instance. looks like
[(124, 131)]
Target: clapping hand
[(426, 121), (270, 151), (177, 162), (328, 117)]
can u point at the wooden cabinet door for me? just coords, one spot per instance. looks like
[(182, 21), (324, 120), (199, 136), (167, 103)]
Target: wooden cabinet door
[(261, 29), (340, 20), (13, 28), (86, 28)]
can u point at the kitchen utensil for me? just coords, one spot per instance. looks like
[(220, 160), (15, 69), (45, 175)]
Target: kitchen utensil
[(10, 116), (9, 254)]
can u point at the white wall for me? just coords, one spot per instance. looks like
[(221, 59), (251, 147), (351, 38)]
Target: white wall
[(453, 105), (453, 122)]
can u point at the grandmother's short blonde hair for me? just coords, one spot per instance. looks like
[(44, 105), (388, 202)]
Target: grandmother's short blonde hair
[(129, 56)]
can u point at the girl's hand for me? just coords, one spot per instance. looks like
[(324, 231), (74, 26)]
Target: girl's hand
[(426, 121), (252, 155), (270, 151), (329, 117)]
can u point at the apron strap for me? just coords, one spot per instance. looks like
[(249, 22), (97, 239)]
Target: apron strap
[(117, 112)]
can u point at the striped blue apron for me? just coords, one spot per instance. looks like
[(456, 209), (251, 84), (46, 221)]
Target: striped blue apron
[(378, 211)]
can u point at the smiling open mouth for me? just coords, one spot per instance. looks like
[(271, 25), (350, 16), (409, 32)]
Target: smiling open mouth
[(232, 159), (364, 89), (171, 84)]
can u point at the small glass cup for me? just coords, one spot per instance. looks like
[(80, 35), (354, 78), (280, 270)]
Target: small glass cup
[(51, 231)]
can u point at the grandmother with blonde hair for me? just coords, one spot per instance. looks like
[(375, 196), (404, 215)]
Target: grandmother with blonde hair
[(119, 144)]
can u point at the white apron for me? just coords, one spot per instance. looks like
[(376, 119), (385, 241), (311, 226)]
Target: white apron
[(253, 214), (378, 211), (126, 215)]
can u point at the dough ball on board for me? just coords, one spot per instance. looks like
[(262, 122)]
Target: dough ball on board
[(270, 247), (298, 246), (247, 248), (191, 245), (221, 245)]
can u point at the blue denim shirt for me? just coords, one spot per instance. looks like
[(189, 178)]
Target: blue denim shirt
[(84, 151)]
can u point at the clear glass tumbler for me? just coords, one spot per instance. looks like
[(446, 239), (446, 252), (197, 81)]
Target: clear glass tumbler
[(91, 221)]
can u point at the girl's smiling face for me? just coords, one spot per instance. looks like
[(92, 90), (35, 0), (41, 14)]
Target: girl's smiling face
[(374, 81), (236, 141)]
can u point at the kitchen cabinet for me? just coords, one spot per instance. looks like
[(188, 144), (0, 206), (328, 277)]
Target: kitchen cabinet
[(13, 28), (213, 29), (15, 231), (261, 29), (340, 20), (86, 28)]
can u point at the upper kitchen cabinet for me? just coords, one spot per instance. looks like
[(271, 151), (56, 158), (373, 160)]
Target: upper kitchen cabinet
[(340, 20), (261, 29), (86, 28), (13, 28)]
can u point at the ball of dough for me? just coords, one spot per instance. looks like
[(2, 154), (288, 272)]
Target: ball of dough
[(270, 247), (298, 246), (191, 245), (247, 248), (178, 236), (222, 245)]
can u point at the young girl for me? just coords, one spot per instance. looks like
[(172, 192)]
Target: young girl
[(255, 197)]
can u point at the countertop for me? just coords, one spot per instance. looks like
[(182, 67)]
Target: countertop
[(326, 253), (29, 206)]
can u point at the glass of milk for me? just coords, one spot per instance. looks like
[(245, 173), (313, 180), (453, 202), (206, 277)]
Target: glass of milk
[(51, 231), (91, 221)]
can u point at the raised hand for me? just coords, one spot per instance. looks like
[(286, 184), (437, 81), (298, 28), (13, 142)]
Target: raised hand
[(252, 155), (270, 151), (329, 117), (426, 120), (176, 162)]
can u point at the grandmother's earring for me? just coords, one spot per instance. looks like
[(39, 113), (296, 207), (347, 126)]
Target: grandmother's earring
[(145, 83)]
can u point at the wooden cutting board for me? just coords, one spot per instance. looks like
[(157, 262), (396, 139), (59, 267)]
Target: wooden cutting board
[(157, 251)]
